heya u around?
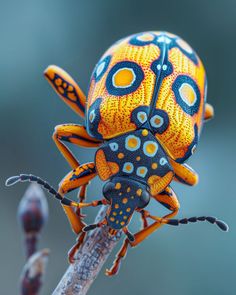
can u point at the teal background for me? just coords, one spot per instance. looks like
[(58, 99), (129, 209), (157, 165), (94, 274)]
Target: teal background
[(194, 259)]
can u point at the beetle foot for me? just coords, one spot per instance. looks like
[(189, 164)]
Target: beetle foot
[(114, 269), (75, 248)]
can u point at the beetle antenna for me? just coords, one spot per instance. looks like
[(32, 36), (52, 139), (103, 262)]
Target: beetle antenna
[(213, 220), (32, 178)]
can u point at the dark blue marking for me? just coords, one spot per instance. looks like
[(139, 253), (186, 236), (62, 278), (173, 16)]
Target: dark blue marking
[(107, 60), (92, 127), (165, 124), (82, 174), (134, 115), (192, 56), (161, 72), (166, 205), (190, 110), (113, 90), (68, 138), (189, 151)]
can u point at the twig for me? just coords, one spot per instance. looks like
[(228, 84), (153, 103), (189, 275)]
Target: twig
[(88, 260)]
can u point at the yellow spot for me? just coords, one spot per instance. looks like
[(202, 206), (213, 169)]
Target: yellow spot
[(61, 90), (138, 158), (112, 218), (58, 82), (128, 209), (64, 85), (132, 142), (91, 117), (72, 96), (116, 206), (114, 213), (122, 223), (123, 78), (142, 117), (157, 121), (125, 200), (121, 155), (118, 185), (139, 192), (128, 189), (187, 93), (142, 171), (117, 221), (145, 132), (151, 148), (70, 88), (128, 167), (125, 217), (121, 212), (154, 165), (120, 194), (146, 37)]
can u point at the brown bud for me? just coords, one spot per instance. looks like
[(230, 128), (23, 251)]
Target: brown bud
[(32, 214), (33, 272)]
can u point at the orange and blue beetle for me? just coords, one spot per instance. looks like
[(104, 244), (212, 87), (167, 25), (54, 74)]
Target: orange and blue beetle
[(145, 110)]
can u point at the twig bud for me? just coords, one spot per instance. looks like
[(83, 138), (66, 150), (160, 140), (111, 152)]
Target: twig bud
[(33, 272), (32, 214)]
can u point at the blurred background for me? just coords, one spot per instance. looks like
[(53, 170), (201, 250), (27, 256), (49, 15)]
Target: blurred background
[(194, 259)]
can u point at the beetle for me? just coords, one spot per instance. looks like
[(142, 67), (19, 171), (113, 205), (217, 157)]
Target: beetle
[(144, 113)]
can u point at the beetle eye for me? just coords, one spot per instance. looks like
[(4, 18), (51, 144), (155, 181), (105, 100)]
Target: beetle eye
[(114, 146)]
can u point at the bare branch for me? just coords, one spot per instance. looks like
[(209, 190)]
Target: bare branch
[(88, 260)]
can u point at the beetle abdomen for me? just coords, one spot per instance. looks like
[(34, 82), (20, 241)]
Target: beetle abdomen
[(154, 74)]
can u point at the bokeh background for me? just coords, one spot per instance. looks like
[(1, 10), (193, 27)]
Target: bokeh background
[(194, 259)]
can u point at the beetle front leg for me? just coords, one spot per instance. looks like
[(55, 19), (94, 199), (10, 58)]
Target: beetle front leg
[(66, 88), (184, 173), (75, 134), (75, 179)]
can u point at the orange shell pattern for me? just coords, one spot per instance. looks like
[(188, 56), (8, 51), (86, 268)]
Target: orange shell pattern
[(150, 80)]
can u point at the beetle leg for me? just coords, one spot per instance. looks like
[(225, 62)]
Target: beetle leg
[(120, 255), (168, 199), (75, 134), (209, 112), (66, 88), (75, 179), (143, 219), (75, 248), (184, 174), (81, 197)]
